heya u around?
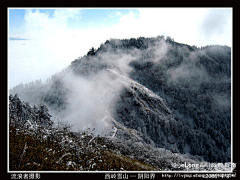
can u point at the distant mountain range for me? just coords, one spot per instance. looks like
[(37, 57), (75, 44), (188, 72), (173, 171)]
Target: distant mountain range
[(170, 95), (13, 39)]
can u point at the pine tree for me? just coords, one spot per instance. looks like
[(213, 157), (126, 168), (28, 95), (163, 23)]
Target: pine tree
[(44, 116), (91, 52)]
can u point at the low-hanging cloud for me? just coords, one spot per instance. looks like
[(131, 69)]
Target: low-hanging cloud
[(91, 100), (189, 73)]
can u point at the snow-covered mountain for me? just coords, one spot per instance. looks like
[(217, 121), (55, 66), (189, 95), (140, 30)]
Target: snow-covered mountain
[(154, 95)]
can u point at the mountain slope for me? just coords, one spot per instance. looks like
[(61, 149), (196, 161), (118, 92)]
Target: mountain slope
[(37, 146), (175, 96)]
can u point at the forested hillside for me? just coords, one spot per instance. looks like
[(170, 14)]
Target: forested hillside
[(177, 96), (35, 143)]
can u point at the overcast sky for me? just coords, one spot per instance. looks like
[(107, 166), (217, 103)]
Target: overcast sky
[(58, 36)]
